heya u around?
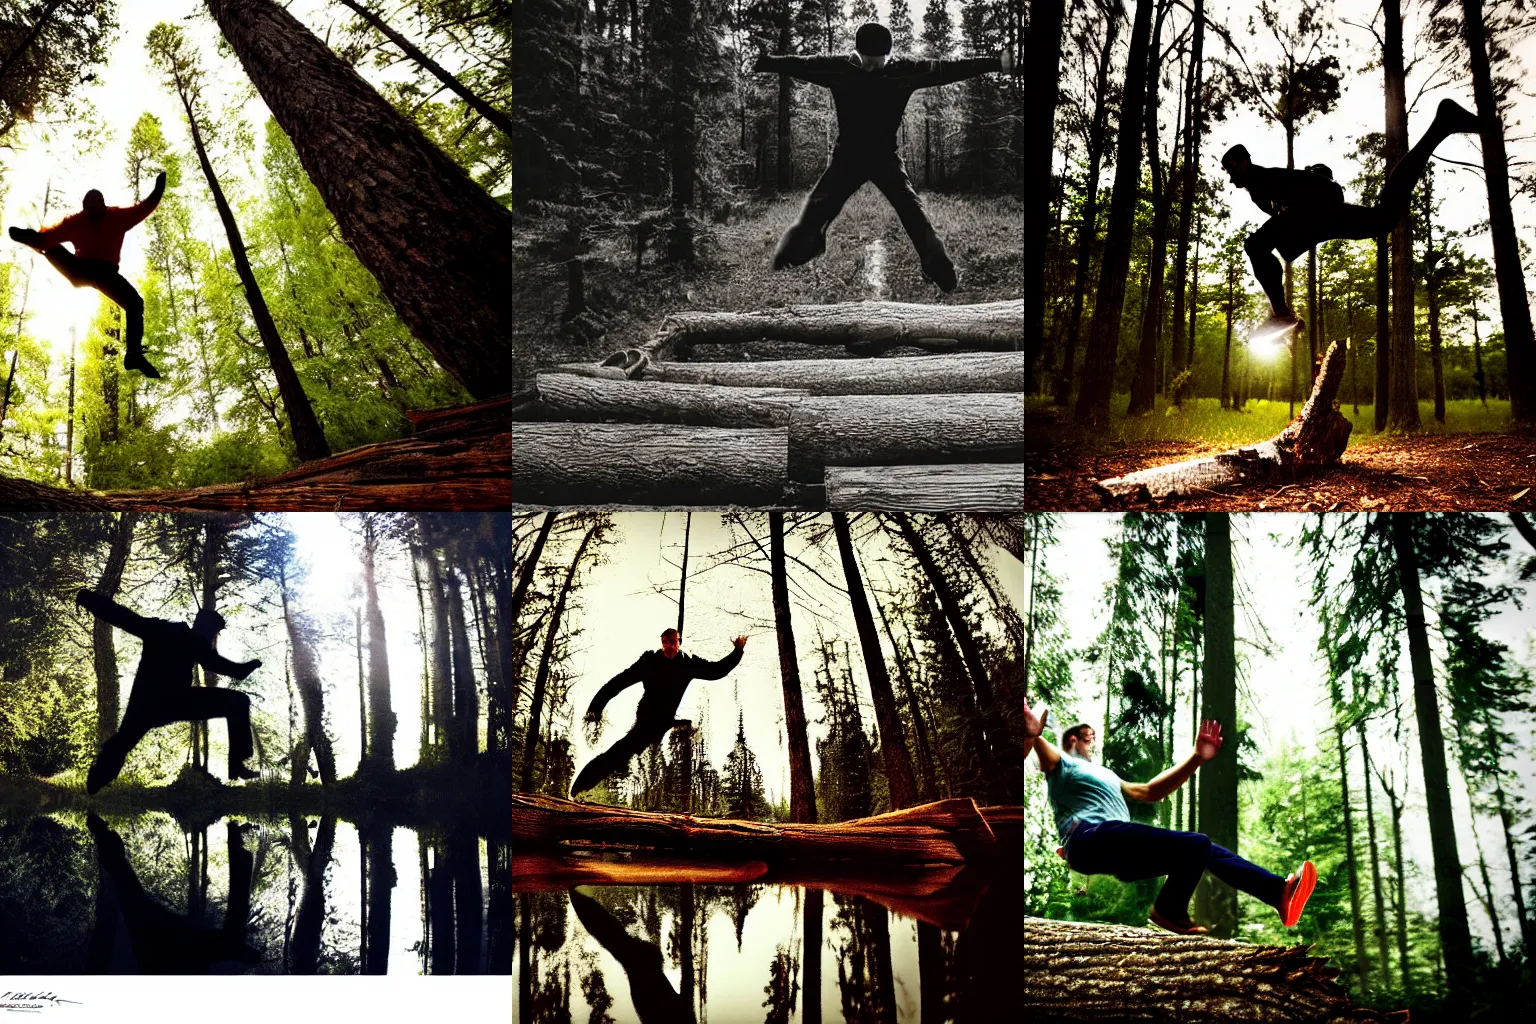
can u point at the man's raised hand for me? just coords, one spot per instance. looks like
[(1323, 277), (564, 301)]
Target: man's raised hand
[(740, 642), (1209, 743), (1034, 724)]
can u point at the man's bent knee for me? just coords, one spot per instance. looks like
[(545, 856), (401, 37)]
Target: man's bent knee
[(1257, 247)]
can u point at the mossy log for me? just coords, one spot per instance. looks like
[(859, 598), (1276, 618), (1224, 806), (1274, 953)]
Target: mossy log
[(963, 373), (1311, 442), (1083, 972)]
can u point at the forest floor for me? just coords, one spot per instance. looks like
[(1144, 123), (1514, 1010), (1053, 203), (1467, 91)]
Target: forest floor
[(868, 257)]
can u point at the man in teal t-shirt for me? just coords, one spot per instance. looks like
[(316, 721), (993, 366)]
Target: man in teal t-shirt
[(1099, 838)]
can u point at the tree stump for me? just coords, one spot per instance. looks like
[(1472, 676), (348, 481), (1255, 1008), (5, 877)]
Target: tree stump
[(1310, 443)]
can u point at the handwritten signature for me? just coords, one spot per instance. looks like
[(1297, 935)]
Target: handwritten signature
[(32, 1002)]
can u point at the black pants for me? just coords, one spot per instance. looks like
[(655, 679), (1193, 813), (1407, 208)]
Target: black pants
[(807, 237), (1132, 851), (648, 729), (185, 704), (103, 276)]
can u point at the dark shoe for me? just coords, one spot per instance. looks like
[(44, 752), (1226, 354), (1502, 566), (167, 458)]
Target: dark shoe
[(943, 275), (108, 763), (1453, 117), (1298, 888), (26, 236), (240, 771), (799, 246), (1184, 927), (1276, 328), (136, 361)]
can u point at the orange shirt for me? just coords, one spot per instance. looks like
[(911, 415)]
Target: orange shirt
[(98, 239)]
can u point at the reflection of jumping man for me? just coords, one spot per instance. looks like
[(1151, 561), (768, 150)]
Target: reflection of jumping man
[(871, 93), (666, 674), (162, 690), (97, 231), (1307, 207)]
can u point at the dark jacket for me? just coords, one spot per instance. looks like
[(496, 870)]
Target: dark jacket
[(665, 680), (170, 648), (870, 104), (1274, 189)]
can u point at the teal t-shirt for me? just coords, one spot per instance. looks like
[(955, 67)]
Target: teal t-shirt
[(1084, 792)]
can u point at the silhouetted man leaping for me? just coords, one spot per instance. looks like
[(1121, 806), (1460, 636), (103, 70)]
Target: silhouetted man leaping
[(162, 689), (97, 232), (666, 674), (1307, 206), (871, 93)]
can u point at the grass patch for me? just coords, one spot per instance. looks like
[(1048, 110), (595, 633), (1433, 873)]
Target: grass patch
[(1204, 420)]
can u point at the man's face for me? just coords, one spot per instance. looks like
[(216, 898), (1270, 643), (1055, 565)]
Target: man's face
[(1082, 745), (670, 644), (873, 61), (95, 206), (1237, 170)]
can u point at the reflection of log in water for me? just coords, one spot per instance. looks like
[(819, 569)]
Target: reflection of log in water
[(655, 1000), (811, 956)]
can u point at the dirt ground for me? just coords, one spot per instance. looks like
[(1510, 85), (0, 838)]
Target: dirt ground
[(1467, 472)]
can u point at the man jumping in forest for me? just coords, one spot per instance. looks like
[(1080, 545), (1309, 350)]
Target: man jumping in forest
[(666, 674), (871, 93), (1098, 836), (97, 231), (162, 689), (1307, 207)]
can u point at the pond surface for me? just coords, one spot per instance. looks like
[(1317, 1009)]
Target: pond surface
[(772, 953), (301, 895)]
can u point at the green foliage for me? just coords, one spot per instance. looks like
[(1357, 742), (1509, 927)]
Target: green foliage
[(50, 50)]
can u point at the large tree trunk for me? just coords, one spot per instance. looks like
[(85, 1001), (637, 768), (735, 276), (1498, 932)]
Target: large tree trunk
[(973, 487), (464, 737), (901, 786), (1514, 305), (1377, 893), (1144, 384), (1217, 901), (802, 790), (1383, 337), (520, 595), (1041, 75), (1109, 301), (381, 736), (459, 89), (306, 676), (1527, 930), (785, 166), (683, 136), (1108, 972), (1191, 183), (1362, 962), (440, 248), (1403, 388), (1455, 936), (441, 674), (963, 373), (1312, 441), (104, 650), (535, 711), (308, 438), (1087, 232)]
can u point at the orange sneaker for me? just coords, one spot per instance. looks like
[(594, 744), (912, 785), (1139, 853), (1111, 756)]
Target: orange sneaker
[(1185, 927), (1298, 889)]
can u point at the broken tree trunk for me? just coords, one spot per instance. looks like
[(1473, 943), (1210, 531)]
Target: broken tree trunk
[(952, 832), (963, 373), (457, 459), (863, 430), (564, 396), (863, 327), (1312, 441), (623, 464), (983, 487), (1105, 972)]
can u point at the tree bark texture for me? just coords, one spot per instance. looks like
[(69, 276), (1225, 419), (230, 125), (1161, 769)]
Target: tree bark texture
[(440, 247), (442, 653), (104, 649), (963, 373), (802, 790), (1402, 396), (1216, 901), (1108, 972), (1041, 82), (464, 737), (967, 487), (1312, 441), (901, 786), (306, 679), (564, 396), (382, 721), (603, 463)]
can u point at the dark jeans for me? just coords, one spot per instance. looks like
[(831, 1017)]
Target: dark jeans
[(189, 704), (1132, 851), (103, 276), (648, 729), (807, 237)]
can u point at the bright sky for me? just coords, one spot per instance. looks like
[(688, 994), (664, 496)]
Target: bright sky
[(1289, 699), (622, 616)]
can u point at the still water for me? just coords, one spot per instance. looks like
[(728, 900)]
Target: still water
[(771, 953), (299, 895)]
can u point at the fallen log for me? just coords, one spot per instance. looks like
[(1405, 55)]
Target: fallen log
[(1104, 972), (950, 832), (623, 464), (864, 328), (564, 396), (457, 460), (964, 373), (867, 430), (1311, 442), (982, 487)]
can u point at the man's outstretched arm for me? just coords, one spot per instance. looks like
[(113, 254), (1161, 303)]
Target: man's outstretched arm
[(613, 687), (111, 611), (719, 669), (816, 70), (1034, 730), (138, 211), (946, 72), (1206, 747), (213, 661)]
